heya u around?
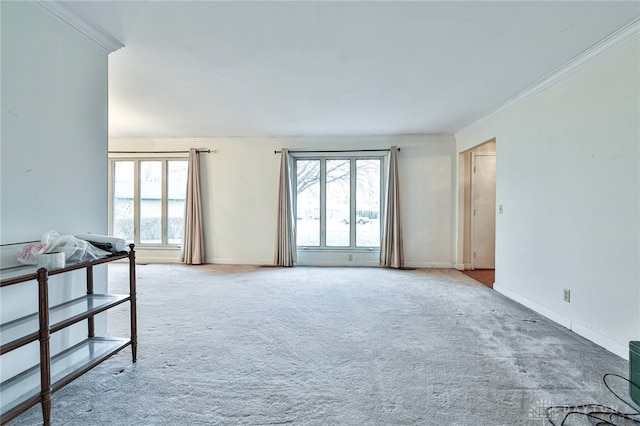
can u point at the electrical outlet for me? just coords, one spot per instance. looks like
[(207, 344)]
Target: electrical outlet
[(566, 295), (350, 257), (500, 209)]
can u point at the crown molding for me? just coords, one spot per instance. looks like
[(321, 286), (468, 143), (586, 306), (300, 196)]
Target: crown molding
[(386, 139), (600, 49), (81, 24)]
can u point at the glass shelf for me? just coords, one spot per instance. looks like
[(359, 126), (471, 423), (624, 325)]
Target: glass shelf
[(27, 271), (65, 366), (25, 330), (18, 274)]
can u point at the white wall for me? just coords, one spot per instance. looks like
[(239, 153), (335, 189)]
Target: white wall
[(240, 192), (568, 169), (53, 153), (54, 127)]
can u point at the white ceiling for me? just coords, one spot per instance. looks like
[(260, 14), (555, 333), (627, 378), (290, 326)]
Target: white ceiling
[(209, 68)]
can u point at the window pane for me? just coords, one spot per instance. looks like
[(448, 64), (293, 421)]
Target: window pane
[(151, 202), (338, 201), (368, 203), (308, 203), (123, 200), (176, 191)]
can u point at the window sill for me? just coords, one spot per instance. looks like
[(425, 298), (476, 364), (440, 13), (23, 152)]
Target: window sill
[(340, 249), (162, 248)]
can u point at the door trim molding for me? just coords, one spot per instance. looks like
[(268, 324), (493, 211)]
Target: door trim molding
[(472, 242)]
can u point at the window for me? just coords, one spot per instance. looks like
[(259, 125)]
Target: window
[(147, 200), (337, 202)]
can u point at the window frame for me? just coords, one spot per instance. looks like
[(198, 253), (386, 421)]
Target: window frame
[(137, 160), (352, 157)]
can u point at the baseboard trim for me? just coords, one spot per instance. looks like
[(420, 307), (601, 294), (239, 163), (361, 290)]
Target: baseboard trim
[(429, 265), (156, 260), (600, 339), (463, 266), (553, 316), (340, 263), (578, 328), (262, 262)]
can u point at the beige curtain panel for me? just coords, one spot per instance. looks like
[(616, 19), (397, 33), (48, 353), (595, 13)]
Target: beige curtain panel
[(285, 242), (193, 241), (391, 253)]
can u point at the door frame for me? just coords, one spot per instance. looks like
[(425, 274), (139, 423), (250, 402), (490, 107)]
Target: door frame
[(472, 238)]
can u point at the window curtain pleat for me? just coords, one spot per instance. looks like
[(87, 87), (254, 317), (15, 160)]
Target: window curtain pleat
[(391, 252), (193, 241), (285, 246)]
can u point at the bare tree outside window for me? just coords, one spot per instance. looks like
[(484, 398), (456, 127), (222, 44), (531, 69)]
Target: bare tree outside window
[(338, 203), (308, 203), (338, 209), (308, 173)]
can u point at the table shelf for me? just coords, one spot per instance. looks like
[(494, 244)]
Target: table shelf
[(12, 334), (36, 384), (65, 367)]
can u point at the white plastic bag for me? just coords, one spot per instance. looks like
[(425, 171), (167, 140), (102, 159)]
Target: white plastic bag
[(74, 249), (29, 254)]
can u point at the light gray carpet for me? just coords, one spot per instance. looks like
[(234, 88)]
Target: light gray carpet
[(342, 346)]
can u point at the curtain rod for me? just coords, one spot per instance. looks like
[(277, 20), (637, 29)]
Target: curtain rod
[(336, 150), (208, 151)]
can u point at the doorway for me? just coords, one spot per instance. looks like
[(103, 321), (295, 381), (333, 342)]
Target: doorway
[(477, 212), (483, 210)]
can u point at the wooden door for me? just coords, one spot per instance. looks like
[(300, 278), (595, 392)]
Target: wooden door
[(483, 210)]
